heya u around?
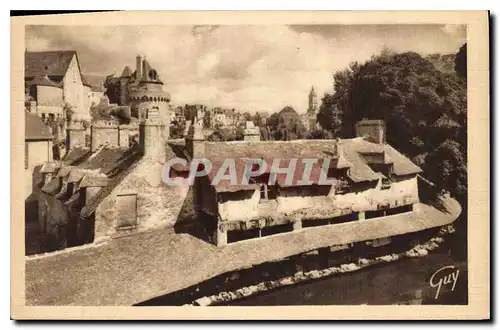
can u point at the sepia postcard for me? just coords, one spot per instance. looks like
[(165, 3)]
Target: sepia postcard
[(250, 165)]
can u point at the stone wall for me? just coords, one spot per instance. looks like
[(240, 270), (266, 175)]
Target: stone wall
[(38, 153), (75, 137), (49, 96), (158, 205), (102, 134), (53, 219)]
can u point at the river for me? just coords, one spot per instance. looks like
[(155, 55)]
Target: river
[(400, 282)]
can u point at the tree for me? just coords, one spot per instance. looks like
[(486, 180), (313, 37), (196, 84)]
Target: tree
[(286, 125), (247, 116), (112, 85), (68, 112), (207, 119), (461, 62), (177, 129), (320, 135), (257, 119), (423, 108), (329, 115), (446, 167)]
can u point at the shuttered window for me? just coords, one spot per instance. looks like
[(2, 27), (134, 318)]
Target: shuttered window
[(126, 206)]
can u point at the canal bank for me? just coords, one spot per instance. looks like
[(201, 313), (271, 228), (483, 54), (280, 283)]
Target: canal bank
[(303, 269), (404, 282)]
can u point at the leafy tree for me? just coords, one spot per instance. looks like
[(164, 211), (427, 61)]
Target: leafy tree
[(177, 129), (257, 119), (320, 135), (446, 167), (112, 85), (227, 134), (461, 62), (264, 133), (286, 125), (68, 112), (247, 116), (207, 119), (329, 115), (423, 108)]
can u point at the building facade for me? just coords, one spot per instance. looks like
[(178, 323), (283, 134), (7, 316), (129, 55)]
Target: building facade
[(370, 179), (37, 150), (54, 79)]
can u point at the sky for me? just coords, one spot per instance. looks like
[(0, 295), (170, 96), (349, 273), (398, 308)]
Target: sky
[(247, 67)]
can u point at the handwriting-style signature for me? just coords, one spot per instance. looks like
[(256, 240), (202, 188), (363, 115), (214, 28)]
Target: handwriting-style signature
[(442, 277)]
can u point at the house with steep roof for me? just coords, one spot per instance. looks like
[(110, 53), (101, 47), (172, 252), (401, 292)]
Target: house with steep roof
[(37, 149), (53, 79)]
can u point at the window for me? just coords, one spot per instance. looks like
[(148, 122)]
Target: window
[(26, 155), (126, 210)]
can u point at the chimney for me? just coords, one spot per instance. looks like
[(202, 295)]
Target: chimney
[(152, 134), (372, 130), (252, 133), (138, 67), (195, 140), (75, 136)]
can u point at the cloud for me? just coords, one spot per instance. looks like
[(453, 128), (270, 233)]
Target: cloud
[(246, 67)]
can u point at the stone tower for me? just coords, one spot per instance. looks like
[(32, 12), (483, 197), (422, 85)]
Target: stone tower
[(313, 102), (146, 95), (124, 80)]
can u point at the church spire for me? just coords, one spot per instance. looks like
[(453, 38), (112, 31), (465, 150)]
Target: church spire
[(313, 102)]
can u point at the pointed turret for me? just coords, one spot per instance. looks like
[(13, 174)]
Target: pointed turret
[(126, 72)]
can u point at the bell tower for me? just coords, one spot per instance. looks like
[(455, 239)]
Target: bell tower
[(313, 102)]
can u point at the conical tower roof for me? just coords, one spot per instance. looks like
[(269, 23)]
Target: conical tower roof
[(126, 72)]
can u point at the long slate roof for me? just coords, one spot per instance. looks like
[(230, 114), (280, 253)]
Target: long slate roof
[(350, 156)]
